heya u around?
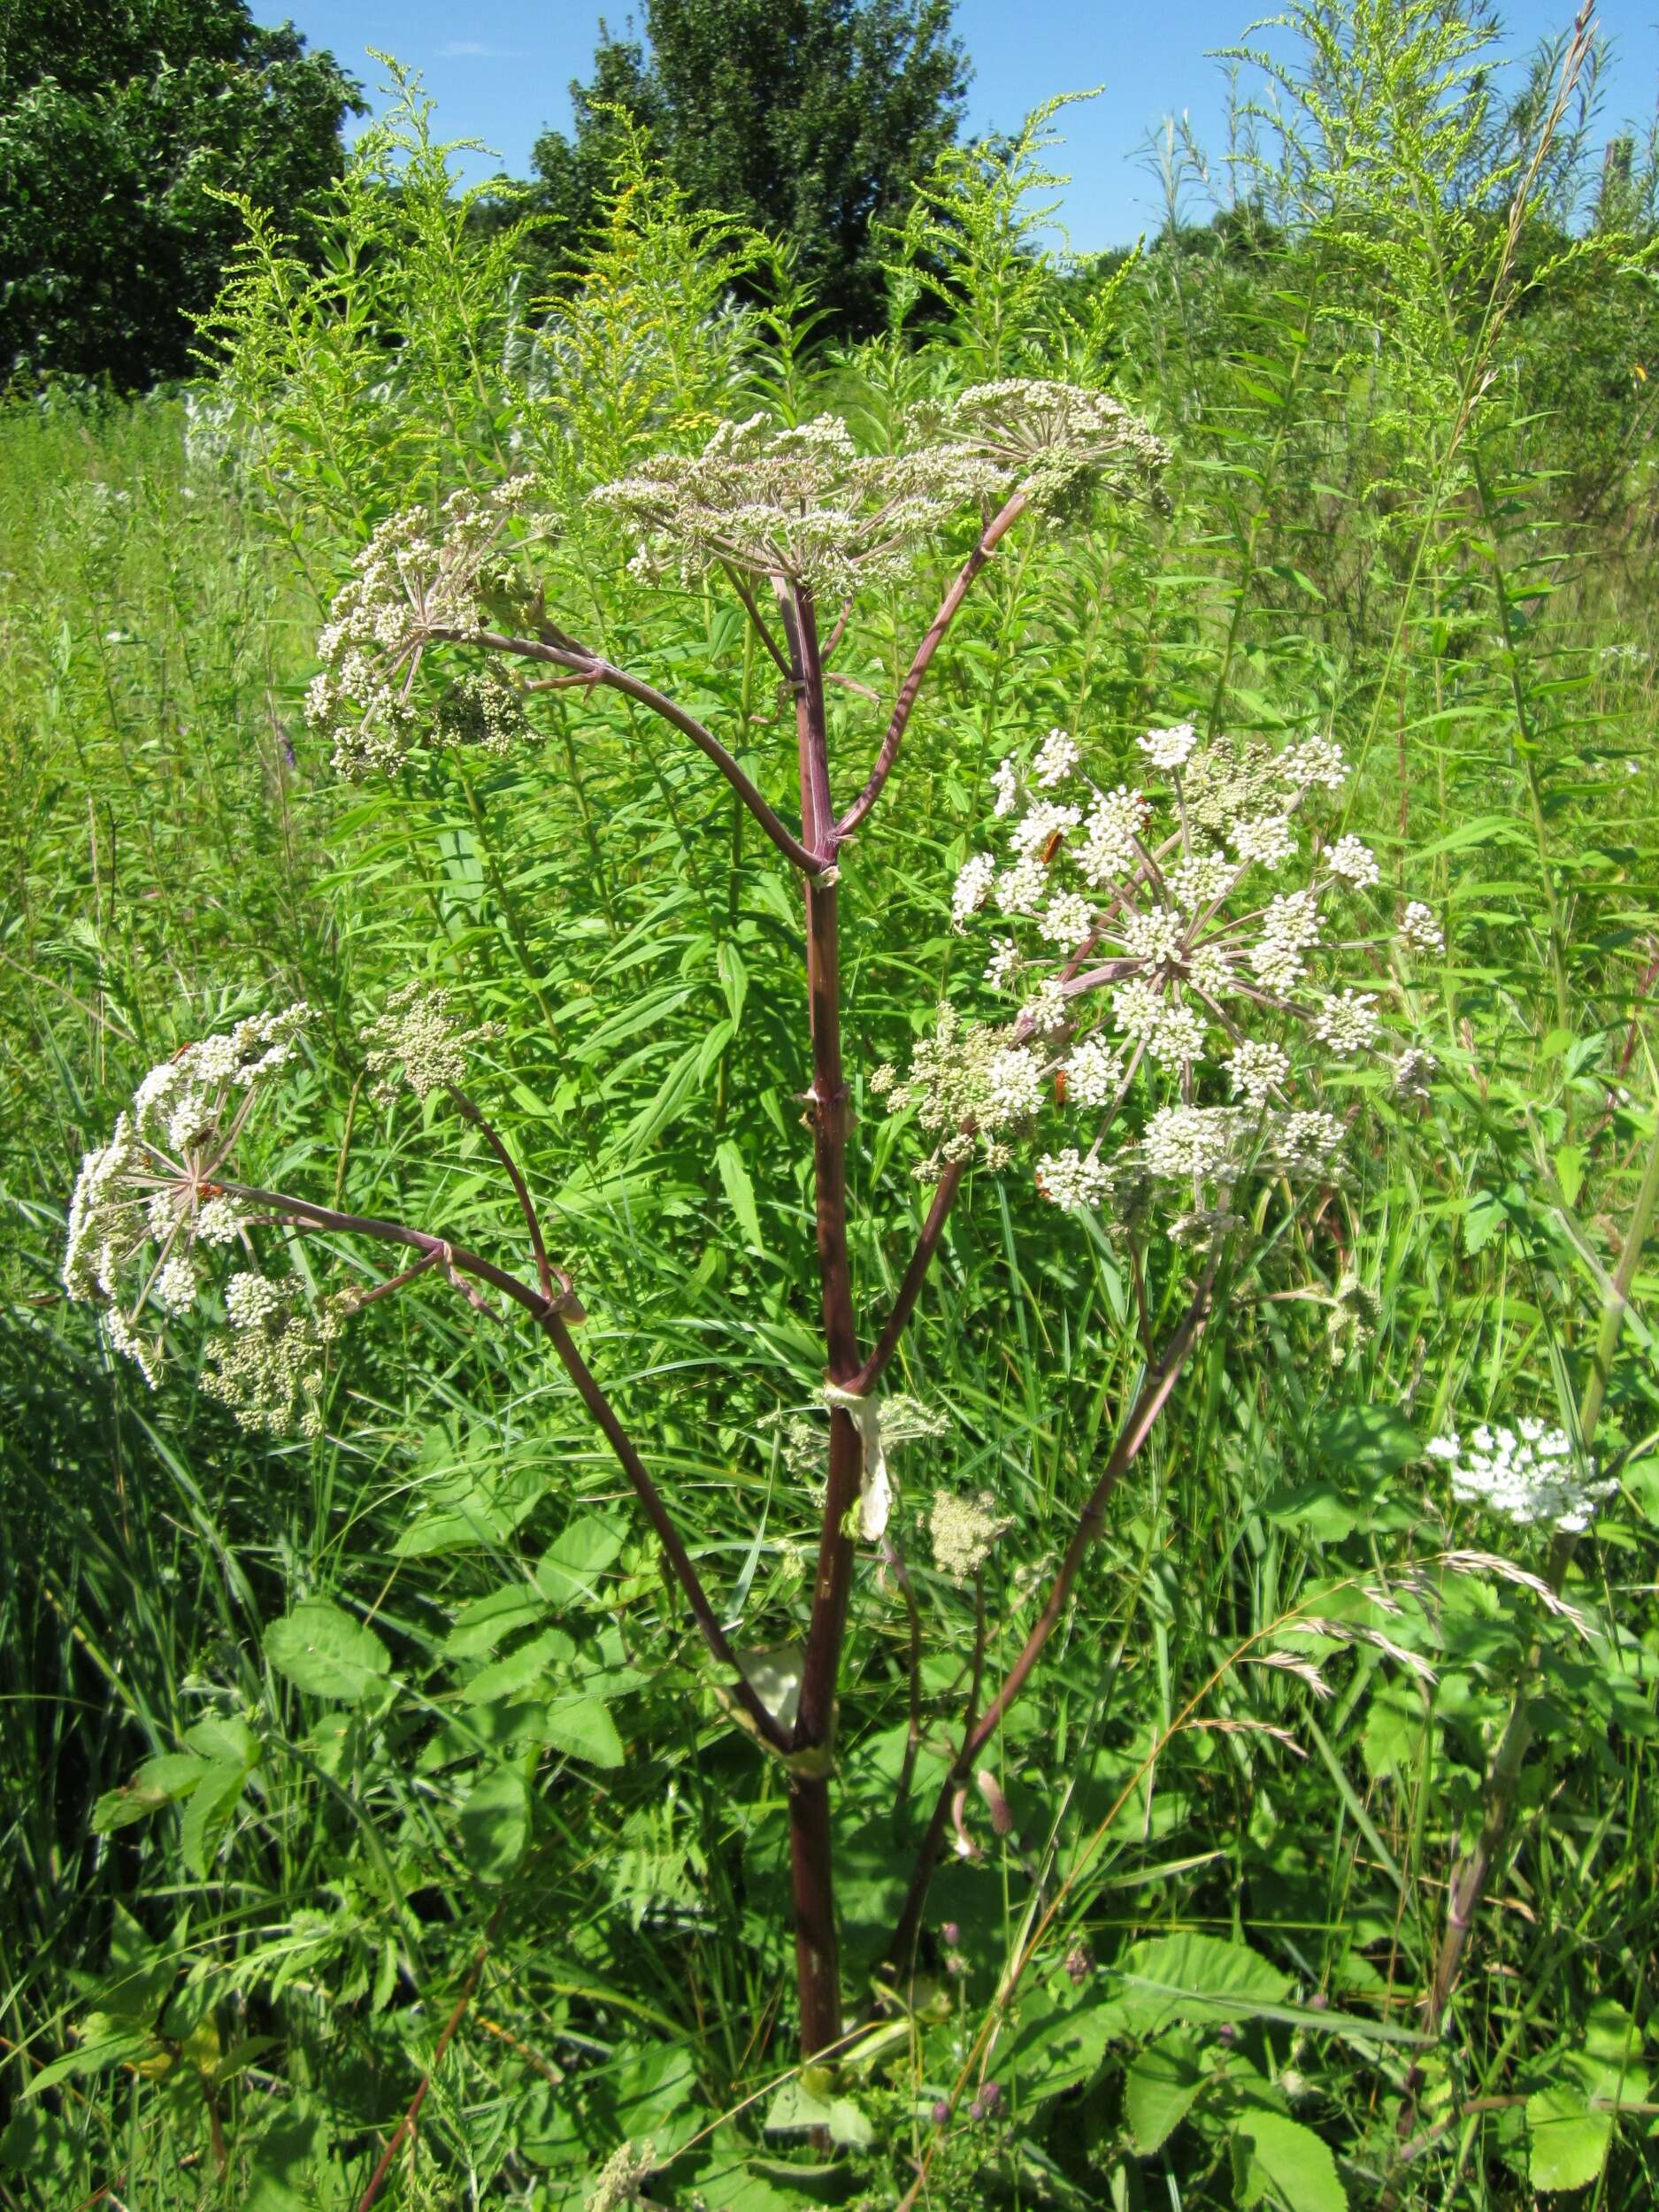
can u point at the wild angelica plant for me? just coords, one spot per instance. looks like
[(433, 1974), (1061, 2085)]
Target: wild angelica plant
[(1192, 977)]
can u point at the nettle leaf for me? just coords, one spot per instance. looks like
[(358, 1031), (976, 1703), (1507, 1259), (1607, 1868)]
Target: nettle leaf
[(1159, 2089), (1568, 2143), (1059, 2046), (519, 1670), (583, 1728), (1288, 2164), (568, 1572), (486, 1621), (495, 1824), (327, 1653), (1192, 1976)]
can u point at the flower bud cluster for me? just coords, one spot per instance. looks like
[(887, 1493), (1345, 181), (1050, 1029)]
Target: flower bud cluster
[(1183, 959), (418, 1042), (412, 582)]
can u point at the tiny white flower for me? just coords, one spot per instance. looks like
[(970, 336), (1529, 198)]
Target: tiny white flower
[(1068, 1180), (1420, 929), (972, 887), (1067, 919), (1170, 748), (1005, 782), (1355, 862), (1055, 760)]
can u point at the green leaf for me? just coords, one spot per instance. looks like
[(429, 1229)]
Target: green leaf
[(495, 1824), (1192, 1977), (1059, 2046), (1158, 2090), (848, 2126), (1568, 2142), (583, 1727), (325, 1652), (208, 1813), (795, 2109), (569, 1570), (106, 2043), (488, 1621), (1292, 2163), (520, 1670), (739, 1192)]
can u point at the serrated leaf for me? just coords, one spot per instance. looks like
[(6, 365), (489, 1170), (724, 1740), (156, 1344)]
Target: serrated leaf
[(1568, 2143), (584, 1729), (1159, 2088), (488, 1621), (518, 1671), (569, 1570), (1193, 1976), (1292, 2163), (495, 1824), (324, 1651)]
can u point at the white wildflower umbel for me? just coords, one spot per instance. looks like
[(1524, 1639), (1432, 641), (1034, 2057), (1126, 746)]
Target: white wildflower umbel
[(1229, 996), (1526, 1474), (147, 1207)]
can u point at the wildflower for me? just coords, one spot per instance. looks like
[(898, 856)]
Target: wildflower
[(1005, 782), (1170, 748), (963, 1530), (972, 887), (1046, 1011), (1199, 1143), (1019, 889), (1420, 929), (1179, 1035), (1199, 879), (1112, 832), (1065, 920), (1257, 1068), (1044, 823), (1265, 840), (1525, 1474), (619, 2182), (1056, 757), (1301, 1143), (1317, 760), (1003, 964), (1354, 863), (1069, 1180), (1347, 1024), (882, 1079), (1157, 935), (1094, 1074), (1411, 1074)]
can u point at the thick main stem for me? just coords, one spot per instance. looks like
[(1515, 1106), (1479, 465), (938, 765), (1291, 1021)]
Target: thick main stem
[(818, 1962)]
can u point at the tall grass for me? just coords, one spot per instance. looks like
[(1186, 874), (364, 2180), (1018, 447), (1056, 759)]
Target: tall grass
[(1396, 511)]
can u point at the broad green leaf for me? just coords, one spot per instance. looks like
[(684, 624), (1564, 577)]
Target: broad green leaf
[(495, 1824), (1568, 2142), (1059, 2046), (1290, 2164), (1158, 2090), (225, 1740), (518, 1671), (106, 2043), (584, 1729), (1193, 1976), (795, 2109), (847, 2124), (488, 1621), (569, 1569), (325, 1652), (740, 1190)]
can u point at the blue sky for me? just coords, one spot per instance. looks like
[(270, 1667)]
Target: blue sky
[(499, 71)]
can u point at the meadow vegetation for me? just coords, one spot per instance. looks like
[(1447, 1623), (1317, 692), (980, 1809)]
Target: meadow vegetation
[(381, 1823)]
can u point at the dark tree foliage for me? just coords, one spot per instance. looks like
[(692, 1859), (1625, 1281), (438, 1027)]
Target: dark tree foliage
[(117, 120), (811, 118)]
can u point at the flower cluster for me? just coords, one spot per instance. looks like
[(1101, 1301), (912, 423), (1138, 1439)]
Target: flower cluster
[(418, 1042), (150, 1226), (1182, 956), (803, 503), (962, 1531), (411, 583), (800, 502), (1527, 1477)]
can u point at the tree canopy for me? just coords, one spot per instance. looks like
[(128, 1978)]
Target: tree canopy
[(811, 118), (118, 119)]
